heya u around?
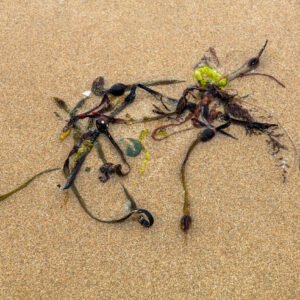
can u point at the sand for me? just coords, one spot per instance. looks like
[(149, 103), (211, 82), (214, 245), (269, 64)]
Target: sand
[(242, 244)]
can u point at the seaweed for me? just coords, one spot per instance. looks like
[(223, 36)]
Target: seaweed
[(209, 106), (145, 217), (100, 117), (79, 152), (26, 183), (212, 107)]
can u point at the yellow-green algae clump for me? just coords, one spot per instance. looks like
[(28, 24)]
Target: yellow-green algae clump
[(206, 74), (143, 134)]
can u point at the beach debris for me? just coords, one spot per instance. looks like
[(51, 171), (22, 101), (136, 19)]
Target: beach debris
[(84, 142), (212, 107), (209, 106), (99, 119)]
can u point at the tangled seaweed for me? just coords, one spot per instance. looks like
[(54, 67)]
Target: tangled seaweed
[(209, 106)]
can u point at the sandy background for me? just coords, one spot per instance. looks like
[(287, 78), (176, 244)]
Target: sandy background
[(243, 241)]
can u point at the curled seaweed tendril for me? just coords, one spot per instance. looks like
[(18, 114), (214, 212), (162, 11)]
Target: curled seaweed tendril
[(145, 217)]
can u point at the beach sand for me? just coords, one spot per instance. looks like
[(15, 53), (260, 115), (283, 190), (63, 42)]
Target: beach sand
[(242, 244)]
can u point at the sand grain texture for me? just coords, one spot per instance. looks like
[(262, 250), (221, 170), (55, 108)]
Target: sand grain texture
[(243, 241)]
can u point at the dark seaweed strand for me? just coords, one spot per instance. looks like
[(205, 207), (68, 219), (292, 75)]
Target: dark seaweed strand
[(158, 83), (144, 222), (156, 94), (107, 169), (234, 109), (248, 66), (265, 75), (119, 150), (92, 111), (76, 169), (154, 133), (84, 206), (26, 183), (78, 138), (120, 107), (98, 84), (186, 219), (180, 108), (90, 136), (162, 82)]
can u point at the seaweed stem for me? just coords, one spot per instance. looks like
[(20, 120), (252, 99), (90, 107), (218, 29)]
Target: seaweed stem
[(26, 183)]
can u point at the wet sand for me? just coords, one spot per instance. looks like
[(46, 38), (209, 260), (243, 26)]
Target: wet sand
[(242, 244)]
